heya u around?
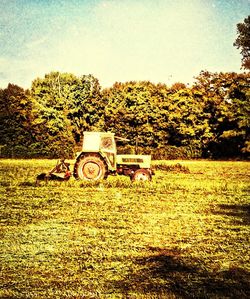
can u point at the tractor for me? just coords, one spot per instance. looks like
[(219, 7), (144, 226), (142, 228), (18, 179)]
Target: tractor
[(98, 159)]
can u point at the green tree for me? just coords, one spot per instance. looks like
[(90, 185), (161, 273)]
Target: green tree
[(51, 129), (242, 42), (163, 118), (66, 106), (131, 111), (227, 106), (178, 86), (85, 106), (54, 90), (187, 124), (15, 120), (78, 99), (52, 96)]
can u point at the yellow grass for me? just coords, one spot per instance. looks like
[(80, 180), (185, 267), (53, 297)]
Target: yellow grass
[(184, 235)]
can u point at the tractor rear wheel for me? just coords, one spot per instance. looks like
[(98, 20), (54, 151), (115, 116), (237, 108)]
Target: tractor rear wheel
[(141, 175), (90, 167)]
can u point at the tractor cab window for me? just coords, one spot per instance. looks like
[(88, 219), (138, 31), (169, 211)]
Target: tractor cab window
[(107, 143), (91, 142)]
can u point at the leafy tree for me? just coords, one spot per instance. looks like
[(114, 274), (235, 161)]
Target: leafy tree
[(53, 137), (243, 42), (78, 99), (54, 89), (178, 86), (52, 95), (226, 100), (85, 106), (15, 119), (187, 125), (157, 116), (131, 111)]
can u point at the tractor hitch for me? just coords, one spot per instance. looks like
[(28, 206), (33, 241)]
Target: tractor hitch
[(61, 172)]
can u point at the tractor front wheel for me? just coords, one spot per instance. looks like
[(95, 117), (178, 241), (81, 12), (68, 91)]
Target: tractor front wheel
[(90, 167), (141, 175)]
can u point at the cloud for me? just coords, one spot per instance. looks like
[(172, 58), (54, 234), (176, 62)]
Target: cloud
[(37, 42), (3, 75)]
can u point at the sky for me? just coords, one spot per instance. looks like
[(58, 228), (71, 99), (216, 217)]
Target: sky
[(164, 41)]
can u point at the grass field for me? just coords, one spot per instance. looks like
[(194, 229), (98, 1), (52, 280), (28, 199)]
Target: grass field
[(184, 235)]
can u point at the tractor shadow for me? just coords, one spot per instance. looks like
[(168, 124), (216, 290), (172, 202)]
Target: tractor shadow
[(240, 213), (164, 274)]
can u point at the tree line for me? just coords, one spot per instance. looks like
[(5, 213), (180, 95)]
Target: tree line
[(209, 119)]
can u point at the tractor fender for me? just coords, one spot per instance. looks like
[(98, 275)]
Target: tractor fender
[(82, 154)]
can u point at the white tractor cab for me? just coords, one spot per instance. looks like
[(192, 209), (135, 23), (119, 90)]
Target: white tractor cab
[(98, 159)]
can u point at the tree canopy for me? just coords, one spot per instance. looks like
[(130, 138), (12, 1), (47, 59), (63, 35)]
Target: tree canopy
[(208, 119), (242, 42)]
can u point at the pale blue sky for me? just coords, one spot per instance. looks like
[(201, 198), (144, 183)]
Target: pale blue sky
[(118, 40)]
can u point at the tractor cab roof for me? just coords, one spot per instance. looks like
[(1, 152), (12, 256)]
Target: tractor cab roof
[(98, 134)]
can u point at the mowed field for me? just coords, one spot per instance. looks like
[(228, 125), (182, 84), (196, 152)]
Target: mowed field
[(183, 235)]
